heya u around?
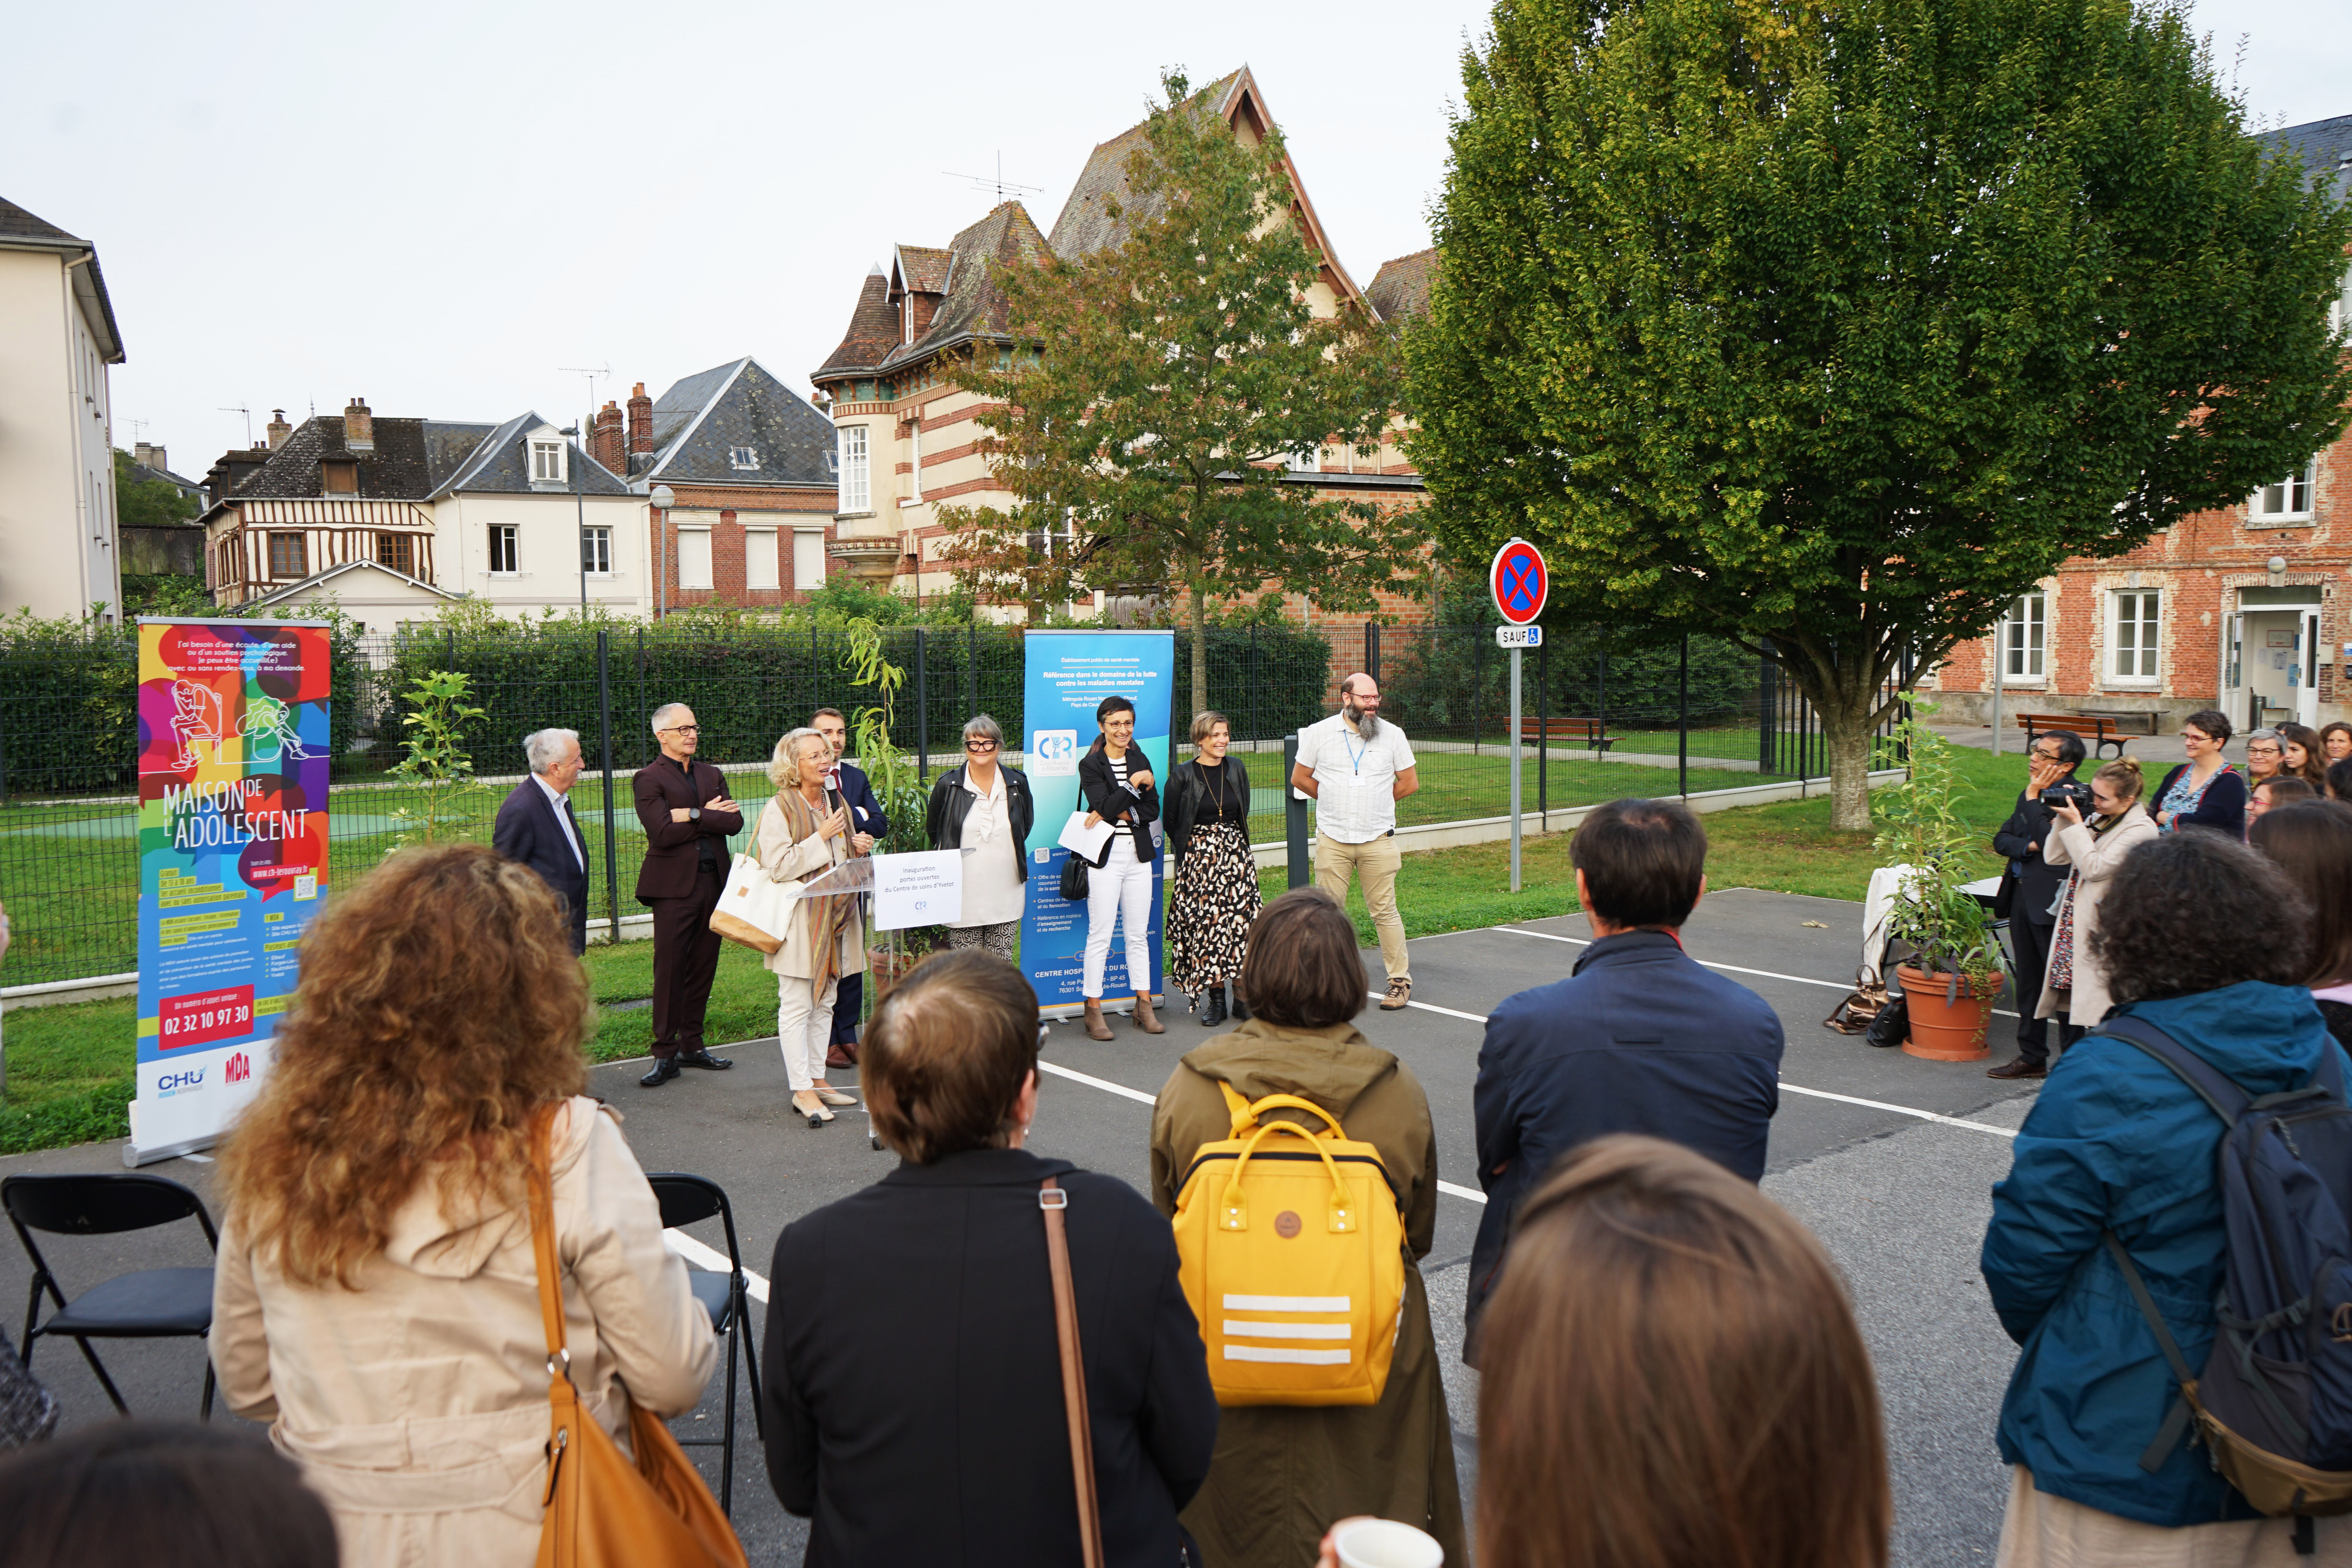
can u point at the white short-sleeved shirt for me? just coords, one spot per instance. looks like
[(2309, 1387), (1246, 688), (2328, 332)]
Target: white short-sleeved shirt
[(1355, 779)]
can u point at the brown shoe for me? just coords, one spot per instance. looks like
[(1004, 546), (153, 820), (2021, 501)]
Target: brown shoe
[(2020, 1068), (1143, 1018), (1400, 992), (1095, 1028)]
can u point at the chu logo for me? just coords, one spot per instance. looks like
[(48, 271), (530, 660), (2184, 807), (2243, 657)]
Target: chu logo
[(172, 1083), (1054, 753)]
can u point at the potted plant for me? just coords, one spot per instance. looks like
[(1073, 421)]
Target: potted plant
[(897, 786), (1954, 975)]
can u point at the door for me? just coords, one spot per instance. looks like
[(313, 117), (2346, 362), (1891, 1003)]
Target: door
[(2233, 698), (2271, 656), (2307, 695)]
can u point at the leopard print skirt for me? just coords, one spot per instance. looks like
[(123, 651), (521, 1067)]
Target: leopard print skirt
[(1210, 907)]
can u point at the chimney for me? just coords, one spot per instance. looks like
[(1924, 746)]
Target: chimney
[(279, 428), (608, 446), (143, 455), (160, 460), (641, 429), (359, 428)]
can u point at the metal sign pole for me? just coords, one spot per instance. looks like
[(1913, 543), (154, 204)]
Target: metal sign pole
[(1517, 654)]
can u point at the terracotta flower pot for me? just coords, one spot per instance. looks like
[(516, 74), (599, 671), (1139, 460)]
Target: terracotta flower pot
[(885, 967), (1942, 1031)]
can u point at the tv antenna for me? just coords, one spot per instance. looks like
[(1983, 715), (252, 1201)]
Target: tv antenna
[(1000, 184), (592, 373), (235, 408), (138, 428)]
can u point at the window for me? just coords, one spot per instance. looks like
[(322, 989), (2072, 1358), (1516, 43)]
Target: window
[(743, 456), (397, 551), (596, 552), (694, 558), (2022, 638), (546, 462), (2133, 637), (761, 567), (506, 550), (2291, 497), (339, 476), (856, 495), (290, 555), (808, 561), (914, 470)]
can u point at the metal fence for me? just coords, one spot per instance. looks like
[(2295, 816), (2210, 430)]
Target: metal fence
[(1605, 714)]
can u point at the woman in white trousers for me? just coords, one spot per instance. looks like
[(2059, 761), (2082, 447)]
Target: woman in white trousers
[(1116, 780), (803, 832)]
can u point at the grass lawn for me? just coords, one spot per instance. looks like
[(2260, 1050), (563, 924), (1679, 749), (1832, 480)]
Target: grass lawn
[(69, 1067)]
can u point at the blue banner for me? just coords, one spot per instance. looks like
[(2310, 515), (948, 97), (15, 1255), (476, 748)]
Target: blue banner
[(1069, 673)]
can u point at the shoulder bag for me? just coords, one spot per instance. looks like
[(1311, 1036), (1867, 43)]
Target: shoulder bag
[(1053, 1200), (604, 1511)]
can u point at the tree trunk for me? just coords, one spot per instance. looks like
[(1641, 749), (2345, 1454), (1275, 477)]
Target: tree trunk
[(1843, 701), (1183, 723)]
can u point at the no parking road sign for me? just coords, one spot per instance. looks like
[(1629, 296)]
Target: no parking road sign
[(1519, 582)]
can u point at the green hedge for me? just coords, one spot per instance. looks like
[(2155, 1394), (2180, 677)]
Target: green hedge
[(1452, 680)]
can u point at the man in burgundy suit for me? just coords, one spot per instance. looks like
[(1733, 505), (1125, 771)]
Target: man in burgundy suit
[(687, 816)]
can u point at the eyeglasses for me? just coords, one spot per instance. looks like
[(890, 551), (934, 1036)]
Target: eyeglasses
[(683, 730), (980, 745), (2263, 751)]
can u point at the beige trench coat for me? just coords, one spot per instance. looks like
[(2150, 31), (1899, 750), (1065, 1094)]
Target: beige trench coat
[(416, 1405), (2095, 860), (786, 861)]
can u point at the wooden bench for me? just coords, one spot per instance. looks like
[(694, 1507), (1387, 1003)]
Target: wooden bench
[(1584, 732), (2100, 733)]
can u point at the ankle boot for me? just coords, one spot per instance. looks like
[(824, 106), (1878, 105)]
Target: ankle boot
[(1212, 1008), (1143, 1018), (1241, 1008), (1095, 1028)]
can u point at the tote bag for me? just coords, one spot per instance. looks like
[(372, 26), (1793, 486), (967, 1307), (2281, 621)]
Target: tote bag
[(752, 909)]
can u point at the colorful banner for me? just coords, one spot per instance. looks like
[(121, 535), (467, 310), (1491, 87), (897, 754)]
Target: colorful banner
[(233, 754), (1068, 672)]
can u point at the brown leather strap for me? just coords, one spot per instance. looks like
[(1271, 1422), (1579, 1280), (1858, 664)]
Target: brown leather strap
[(1053, 1200), (539, 1180)]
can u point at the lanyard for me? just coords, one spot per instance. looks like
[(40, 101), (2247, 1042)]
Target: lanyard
[(1355, 753)]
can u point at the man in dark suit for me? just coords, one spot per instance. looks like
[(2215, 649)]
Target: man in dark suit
[(536, 826), (2030, 887), (1639, 1038), (867, 823), (687, 816)]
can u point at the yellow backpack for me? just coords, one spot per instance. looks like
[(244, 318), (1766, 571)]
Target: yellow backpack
[(1291, 1250)]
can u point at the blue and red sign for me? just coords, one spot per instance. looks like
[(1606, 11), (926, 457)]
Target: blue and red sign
[(1519, 582)]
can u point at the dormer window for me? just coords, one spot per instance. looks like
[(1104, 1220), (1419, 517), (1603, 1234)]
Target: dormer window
[(339, 475), (743, 458), (546, 462)]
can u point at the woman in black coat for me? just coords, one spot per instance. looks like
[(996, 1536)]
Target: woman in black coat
[(913, 1400), (1115, 779), (1212, 894)]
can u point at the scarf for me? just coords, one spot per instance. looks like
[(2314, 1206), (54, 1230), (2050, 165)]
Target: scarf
[(828, 913)]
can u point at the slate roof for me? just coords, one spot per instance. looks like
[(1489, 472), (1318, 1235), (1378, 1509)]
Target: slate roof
[(317, 578), (2324, 146), (144, 473), (924, 268), (20, 230), (500, 463), (700, 422), (975, 307), (1401, 288)]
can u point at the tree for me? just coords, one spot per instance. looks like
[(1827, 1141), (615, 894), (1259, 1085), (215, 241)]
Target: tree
[(1145, 413), (1831, 330), (148, 503)]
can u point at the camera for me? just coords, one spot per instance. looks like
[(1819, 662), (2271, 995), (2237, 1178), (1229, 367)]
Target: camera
[(2078, 796)]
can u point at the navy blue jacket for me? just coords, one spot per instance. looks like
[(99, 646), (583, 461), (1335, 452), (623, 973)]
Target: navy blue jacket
[(526, 832), (865, 811), (1639, 1038)]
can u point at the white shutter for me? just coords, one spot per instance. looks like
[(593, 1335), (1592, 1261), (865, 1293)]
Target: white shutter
[(808, 561), (759, 565), (694, 558)]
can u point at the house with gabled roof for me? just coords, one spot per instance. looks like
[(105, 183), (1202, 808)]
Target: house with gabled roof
[(749, 467), (907, 440), (389, 517)]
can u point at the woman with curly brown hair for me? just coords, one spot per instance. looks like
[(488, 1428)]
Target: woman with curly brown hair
[(375, 1298)]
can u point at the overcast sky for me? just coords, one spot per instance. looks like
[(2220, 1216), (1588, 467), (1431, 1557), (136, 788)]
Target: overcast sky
[(439, 206)]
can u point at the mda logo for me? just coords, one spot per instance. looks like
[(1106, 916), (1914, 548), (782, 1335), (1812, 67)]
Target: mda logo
[(240, 1067)]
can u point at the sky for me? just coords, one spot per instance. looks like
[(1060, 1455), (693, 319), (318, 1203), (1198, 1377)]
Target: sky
[(450, 209)]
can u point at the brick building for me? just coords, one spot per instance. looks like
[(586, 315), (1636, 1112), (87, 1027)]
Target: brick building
[(907, 440), (2247, 609)]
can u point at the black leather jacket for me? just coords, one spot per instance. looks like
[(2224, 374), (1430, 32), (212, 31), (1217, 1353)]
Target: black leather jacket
[(1188, 803), (1103, 794), (951, 802)]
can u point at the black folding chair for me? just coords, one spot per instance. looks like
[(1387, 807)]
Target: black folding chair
[(150, 1304), (690, 1200)]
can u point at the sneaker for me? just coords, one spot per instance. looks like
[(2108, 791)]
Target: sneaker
[(1400, 992)]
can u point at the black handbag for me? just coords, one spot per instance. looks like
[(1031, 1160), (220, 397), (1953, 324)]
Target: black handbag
[(1891, 1026), (1074, 879)]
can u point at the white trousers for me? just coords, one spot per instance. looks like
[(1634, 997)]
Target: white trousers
[(805, 1027), (1119, 892)]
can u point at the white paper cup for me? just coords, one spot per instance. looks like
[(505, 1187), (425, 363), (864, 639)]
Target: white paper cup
[(1385, 1543)]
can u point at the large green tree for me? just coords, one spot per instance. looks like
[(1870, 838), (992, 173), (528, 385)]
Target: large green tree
[(1831, 329), (1156, 387), (148, 503)]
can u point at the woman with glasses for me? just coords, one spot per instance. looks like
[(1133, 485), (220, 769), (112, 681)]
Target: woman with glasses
[(2202, 792), (804, 833), (1116, 779), (1212, 895), (984, 809), (2265, 756)]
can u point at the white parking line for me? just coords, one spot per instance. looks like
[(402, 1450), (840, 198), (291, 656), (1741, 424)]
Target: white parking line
[(1727, 968), (1923, 1115), (711, 1257)]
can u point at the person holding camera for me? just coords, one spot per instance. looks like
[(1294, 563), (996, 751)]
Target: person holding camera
[(2074, 987), (2030, 886)]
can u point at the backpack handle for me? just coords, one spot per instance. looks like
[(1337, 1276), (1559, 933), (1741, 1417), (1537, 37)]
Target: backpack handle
[(1233, 1212), (1245, 1114)]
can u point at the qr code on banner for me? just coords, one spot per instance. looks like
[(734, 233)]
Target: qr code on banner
[(306, 885)]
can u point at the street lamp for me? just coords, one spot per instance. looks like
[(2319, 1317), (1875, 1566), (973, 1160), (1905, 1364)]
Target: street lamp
[(662, 498), (579, 514)]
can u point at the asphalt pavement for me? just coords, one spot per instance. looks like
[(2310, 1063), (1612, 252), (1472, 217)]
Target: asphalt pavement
[(1887, 1158)]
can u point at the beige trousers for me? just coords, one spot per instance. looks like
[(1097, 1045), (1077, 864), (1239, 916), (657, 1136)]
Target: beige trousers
[(1375, 863), (2044, 1532)]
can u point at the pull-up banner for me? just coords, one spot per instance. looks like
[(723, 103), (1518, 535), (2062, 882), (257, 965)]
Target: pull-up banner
[(1069, 673), (233, 754)]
